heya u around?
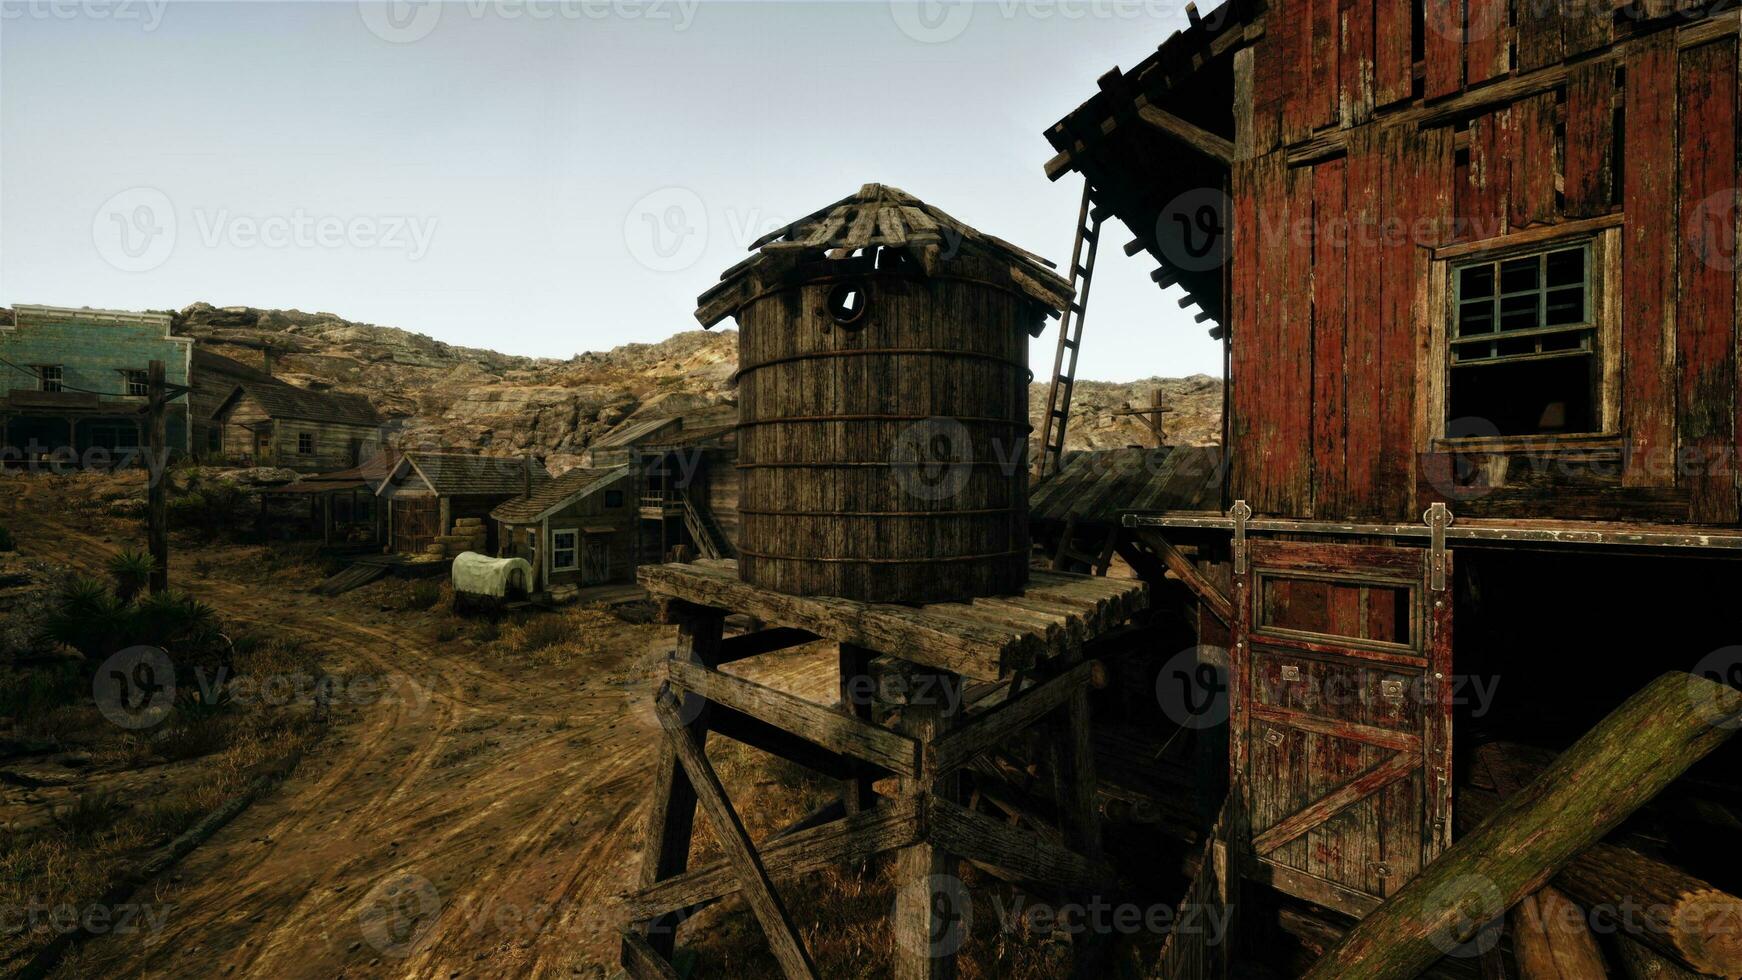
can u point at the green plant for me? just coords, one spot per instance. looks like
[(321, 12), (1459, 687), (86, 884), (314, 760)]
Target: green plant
[(131, 571), (175, 620), (87, 617), (423, 594)]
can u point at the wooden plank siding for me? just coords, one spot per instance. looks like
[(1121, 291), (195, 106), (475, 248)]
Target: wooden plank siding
[(1343, 257)]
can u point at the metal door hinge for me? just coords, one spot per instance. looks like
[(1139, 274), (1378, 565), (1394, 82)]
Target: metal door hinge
[(1437, 518), (1241, 513)]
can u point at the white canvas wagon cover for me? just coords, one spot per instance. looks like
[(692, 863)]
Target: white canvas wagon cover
[(482, 575)]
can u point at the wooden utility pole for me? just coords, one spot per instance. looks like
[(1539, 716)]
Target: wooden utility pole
[(1157, 408), (157, 477)]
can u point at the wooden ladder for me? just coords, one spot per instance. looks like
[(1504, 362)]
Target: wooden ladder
[(1064, 364)]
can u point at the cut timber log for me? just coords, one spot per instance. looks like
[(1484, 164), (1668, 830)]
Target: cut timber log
[(1628, 758), (1638, 962), (1550, 940)]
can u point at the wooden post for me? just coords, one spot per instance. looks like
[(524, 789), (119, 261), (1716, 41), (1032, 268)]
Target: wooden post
[(855, 679), (1627, 759), (673, 816), (157, 476), (928, 921)]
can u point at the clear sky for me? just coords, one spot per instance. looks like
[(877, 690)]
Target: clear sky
[(539, 178)]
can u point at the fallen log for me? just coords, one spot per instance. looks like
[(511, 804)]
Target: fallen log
[(1628, 758), (1639, 962), (1550, 940)]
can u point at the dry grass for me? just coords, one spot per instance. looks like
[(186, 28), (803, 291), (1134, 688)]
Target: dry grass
[(558, 638)]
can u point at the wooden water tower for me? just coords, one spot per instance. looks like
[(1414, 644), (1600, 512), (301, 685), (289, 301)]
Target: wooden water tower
[(883, 402)]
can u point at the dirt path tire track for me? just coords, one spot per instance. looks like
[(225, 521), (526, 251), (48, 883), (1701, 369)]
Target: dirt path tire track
[(526, 847)]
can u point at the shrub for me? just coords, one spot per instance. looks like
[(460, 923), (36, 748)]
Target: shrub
[(131, 571), (539, 633), (87, 617), (90, 813), (208, 510), (424, 594), (175, 620)]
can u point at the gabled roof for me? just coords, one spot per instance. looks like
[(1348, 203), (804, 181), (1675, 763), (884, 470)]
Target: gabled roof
[(1100, 486), (880, 216), (636, 431), (285, 401), (367, 475), (456, 474), (560, 492)]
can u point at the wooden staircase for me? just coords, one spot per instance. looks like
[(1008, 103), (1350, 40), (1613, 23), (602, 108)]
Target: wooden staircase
[(705, 531)]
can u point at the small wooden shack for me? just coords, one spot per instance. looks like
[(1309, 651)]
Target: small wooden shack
[(577, 529), (270, 423), (688, 482), (339, 509), (429, 496)]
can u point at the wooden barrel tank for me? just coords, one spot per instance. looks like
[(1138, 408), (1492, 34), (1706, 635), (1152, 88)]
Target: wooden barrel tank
[(883, 402), (883, 417)]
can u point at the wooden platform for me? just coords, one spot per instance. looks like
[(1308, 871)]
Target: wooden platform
[(1034, 657), (984, 639)]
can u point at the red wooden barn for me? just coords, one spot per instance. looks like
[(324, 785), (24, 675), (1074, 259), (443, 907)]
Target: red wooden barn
[(1474, 264)]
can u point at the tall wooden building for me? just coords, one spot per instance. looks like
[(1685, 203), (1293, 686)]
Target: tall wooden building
[(1474, 267)]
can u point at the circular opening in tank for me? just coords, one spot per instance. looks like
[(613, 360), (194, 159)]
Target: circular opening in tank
[(847, 302)]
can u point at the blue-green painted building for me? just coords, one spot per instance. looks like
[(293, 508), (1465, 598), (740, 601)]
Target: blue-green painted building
[(75, 379)]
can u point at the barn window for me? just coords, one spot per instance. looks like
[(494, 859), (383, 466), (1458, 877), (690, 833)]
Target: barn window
[(613, 498), (565, 550), (305, 443), (138, 383), (1524, 343), (49, 376)]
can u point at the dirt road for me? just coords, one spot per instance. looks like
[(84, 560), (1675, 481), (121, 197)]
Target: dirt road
[(459, 820)]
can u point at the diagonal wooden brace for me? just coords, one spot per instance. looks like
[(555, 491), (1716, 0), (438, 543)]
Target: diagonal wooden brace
[(986, 730)]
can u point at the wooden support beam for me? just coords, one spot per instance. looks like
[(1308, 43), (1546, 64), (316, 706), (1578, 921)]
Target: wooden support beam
[(854, 684), (736, 648), (764, 737), (813, 722), (1376, 778), (927, 923), (759, 894), (883, 828), (1212, 597), (1026, 855), (1196, 137), (640, 961), (1627, 759), (989, 728)]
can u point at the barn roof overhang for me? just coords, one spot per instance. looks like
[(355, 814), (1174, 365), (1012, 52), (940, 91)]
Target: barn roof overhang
[(1157, 143)]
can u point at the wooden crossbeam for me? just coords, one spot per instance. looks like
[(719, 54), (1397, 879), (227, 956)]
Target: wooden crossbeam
[(1207, 592), (997, 724), (882, 828), (759, 893), (764, 737), (1027, 855), (822, 726), (736, 648), (1198, 138), (1398, 766), (640, 961)]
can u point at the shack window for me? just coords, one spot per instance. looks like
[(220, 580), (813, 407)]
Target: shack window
[(305, 443), (565, 550), (1524, 356), (613, 498), (49, 377), (138, 383)]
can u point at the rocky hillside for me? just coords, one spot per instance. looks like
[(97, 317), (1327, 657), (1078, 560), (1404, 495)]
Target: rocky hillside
[(437, 394)]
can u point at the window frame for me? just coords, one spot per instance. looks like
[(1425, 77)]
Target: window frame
[(1603, 277), (133, 378), (53, 385), (613, 499), (574, 533), (305, 443)]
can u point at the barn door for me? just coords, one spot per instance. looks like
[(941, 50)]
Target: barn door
[(595, 559), (414, 523), (1341, 711)]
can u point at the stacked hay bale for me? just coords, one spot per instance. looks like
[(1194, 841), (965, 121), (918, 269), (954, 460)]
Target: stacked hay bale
[(467, 534)]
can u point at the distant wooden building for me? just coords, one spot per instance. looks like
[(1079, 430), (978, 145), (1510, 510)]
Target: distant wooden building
[(1475, 269), (427, 493), (688, 483), (271, 423), (74, 382), (576, 529), (339, 508)]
